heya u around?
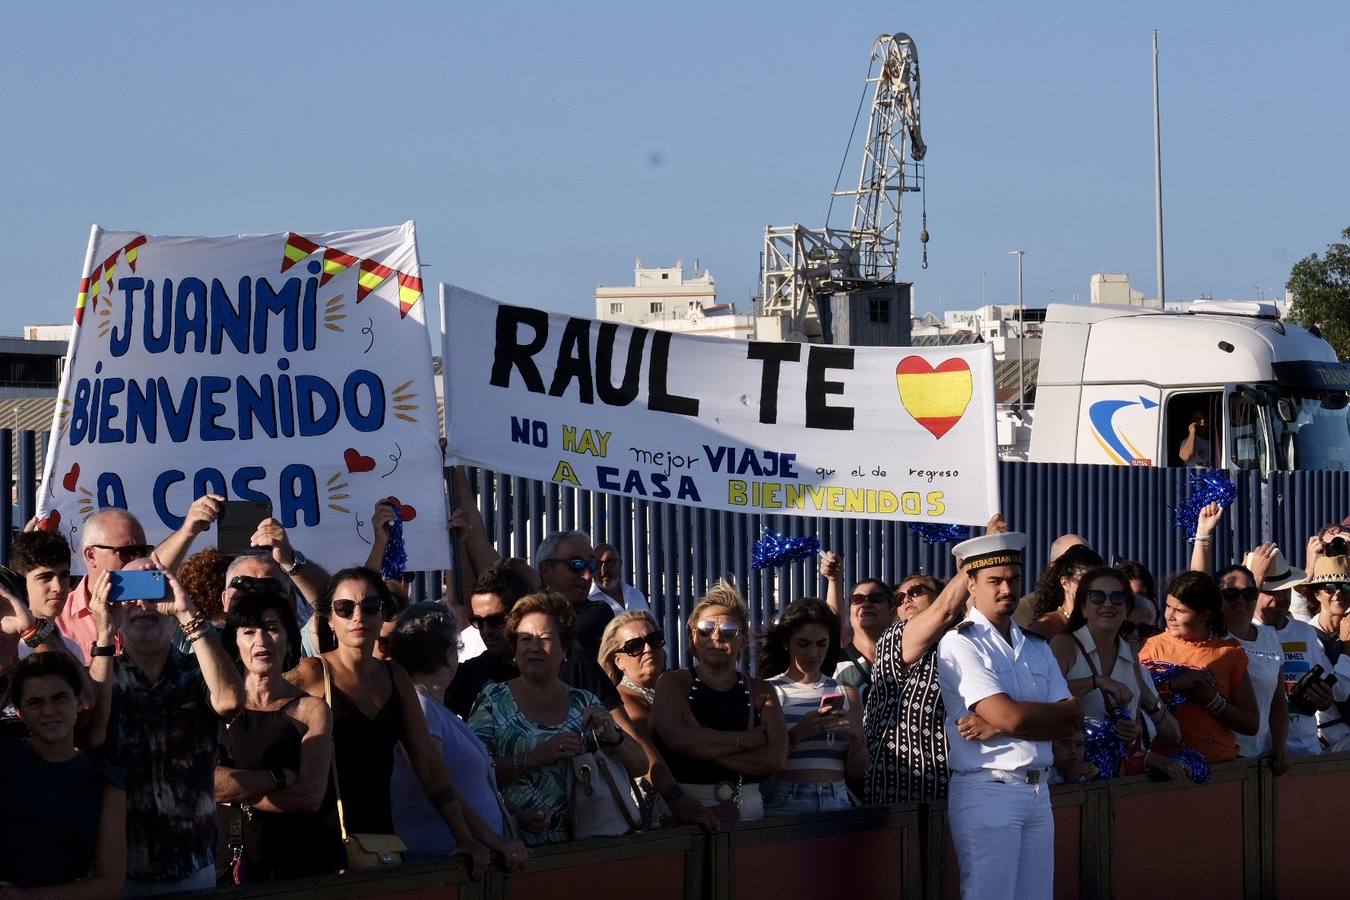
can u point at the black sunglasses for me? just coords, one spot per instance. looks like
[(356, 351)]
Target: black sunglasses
[(1115, 598), (129, 552), (1235, 595), (577, 564), (656, 640), (914, 593), (257, 585), (345, 609), (494, 621)]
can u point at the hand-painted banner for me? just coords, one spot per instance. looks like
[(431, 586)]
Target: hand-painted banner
[(293, 368), (795, 429)]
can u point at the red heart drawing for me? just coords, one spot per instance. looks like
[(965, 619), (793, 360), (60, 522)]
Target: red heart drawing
[(356, 462), (405, 513), (52, 522), (72, 478), (936, 397)]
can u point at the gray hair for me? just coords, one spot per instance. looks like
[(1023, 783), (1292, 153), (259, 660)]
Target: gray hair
[(238, 561), (424, 635), (548, 547), (93, 526)]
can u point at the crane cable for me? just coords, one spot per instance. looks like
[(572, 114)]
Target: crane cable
[(849, 146)]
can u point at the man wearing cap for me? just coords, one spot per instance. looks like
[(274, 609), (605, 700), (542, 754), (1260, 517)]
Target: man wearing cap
[(1006, 701), (1328, 593), (1301, 646)]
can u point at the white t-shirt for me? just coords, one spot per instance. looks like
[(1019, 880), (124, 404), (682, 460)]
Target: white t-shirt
[(1265, 665), (472, 642), (633, 599), (1302, 651)]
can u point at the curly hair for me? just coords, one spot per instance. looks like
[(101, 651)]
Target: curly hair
[(1048, 594), (203, 577), (551, 604), (774, 657), (609, 641), (33, 549)]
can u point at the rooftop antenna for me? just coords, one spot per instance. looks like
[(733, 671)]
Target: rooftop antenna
[(1157, 179)]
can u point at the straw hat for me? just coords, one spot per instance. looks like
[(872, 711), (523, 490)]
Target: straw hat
[(1326, 571), (1280, 575)]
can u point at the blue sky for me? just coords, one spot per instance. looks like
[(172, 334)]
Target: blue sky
[(541, 147)]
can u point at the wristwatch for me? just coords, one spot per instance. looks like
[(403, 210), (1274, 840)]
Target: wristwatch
[(95, 649), (298, 562), (672, 793), (279, 776)]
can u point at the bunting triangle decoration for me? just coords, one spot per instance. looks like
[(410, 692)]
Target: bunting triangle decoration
[(91, 286), (372, 275), (133, 250), (409, 292), (297, 248), (334, 261)]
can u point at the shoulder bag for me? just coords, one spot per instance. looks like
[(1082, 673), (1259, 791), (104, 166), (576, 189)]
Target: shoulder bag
[(364, 851), (1137, 750), (601, 798)]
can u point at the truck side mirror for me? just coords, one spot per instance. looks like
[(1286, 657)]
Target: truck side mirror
[(1284, 408), (1335, 400)]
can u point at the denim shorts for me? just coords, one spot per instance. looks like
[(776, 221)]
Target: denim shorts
[(799, 798)]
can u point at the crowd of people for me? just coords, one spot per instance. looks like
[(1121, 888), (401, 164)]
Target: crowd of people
[(264, 719)]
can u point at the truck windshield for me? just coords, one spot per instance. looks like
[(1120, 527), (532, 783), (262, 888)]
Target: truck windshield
[(1319, 431)]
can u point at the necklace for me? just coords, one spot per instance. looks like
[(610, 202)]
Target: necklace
[(648, 694)]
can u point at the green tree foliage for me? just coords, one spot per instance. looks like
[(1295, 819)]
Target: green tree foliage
[(1321, 289)]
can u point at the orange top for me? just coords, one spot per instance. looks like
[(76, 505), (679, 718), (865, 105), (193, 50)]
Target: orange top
[(1199, 729)]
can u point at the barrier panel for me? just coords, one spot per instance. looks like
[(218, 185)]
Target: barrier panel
[(1246, 834)]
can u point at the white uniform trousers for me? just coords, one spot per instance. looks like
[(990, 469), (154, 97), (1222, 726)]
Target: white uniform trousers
[(1004, 834)]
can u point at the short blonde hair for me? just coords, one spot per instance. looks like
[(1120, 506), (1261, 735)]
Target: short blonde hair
[(726, 599), (609, 641)]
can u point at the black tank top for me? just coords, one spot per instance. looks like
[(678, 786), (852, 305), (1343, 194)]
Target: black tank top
[(364, 750), (727, 710)]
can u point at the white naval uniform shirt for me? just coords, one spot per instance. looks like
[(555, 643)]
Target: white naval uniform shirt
[(974, 662), (632, 598)]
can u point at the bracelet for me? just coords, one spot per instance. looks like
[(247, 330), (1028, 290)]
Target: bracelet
[(672, 793), (31, 631), (1216, 705), (194, 624), (443, 796), (197, 635), (617, 741), (38, 635), (1203, 539)]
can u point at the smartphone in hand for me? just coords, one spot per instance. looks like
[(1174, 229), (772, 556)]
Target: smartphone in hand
[(141, 584), (239, 519)]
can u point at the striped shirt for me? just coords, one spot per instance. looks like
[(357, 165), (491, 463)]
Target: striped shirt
[(797, 699)]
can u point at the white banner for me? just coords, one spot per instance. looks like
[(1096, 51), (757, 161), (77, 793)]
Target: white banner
[(288, 367), (795, 429)]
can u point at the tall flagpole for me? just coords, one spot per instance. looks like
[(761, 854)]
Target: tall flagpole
[(1157, 178)]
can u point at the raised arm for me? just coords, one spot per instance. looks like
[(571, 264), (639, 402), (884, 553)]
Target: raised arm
[(924, 630), (174, 549), (1202, 550), (308, 576), (95, 730)]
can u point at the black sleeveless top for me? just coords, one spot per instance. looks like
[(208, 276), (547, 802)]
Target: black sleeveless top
[(727, 710), (280, 845), (364, 750)]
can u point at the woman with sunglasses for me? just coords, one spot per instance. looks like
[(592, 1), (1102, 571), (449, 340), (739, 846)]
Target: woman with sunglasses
[(1327, 591), (1103, 671), (535, 723), (1219, 696), (720, 732), (375, 708), (1265, 660), (633, 655), (273, 776), (824, 718)]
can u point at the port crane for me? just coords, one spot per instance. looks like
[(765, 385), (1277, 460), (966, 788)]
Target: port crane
[(802, 264)]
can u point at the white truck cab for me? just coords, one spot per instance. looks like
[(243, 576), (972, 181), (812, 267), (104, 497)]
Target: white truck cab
[(1122, 385)]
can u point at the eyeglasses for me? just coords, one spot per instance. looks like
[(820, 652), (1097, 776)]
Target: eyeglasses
[(345, 609), (611, 563), (1131, 630), (129, 552), (578, 565), (727, 630), (1335, 587), (914, 593), (1115, 598), (870, 597), (256, 585), (1239, 595), (656, 640), (494, 621)]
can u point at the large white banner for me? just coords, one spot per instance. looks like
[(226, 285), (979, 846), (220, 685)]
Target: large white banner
[(288, 367), (796, 429)]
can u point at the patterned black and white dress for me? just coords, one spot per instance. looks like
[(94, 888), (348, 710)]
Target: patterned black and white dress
[(904, 723)]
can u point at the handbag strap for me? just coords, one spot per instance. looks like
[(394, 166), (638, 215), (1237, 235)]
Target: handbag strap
[(1087, 657), (337, 786), (602, 762)]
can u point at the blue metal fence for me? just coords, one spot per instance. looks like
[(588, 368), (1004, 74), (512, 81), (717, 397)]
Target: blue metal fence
[(672, 553)]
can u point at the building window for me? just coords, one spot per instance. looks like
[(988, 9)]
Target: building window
[(665, 275), (878, 310), (616, 309), (655, 307)]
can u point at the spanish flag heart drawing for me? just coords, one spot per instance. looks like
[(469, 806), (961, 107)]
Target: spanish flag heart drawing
[(936, 397)]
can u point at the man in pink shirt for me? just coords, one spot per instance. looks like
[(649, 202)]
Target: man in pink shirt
[(112, 538)]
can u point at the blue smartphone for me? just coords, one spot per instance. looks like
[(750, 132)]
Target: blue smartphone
[(141, 584)]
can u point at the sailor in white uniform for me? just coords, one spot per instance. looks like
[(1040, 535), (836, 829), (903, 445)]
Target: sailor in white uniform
[(1006, 701)]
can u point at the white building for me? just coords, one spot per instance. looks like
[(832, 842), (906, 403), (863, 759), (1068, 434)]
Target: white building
[(665, 298), (1114, 288), (994, 323)]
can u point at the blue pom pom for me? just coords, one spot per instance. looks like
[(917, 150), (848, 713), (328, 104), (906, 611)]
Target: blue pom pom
[(395, 559), (1196, 763), (1102, 747), (1162, 673), (1206, 486), (931, 533), (774, 549)]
